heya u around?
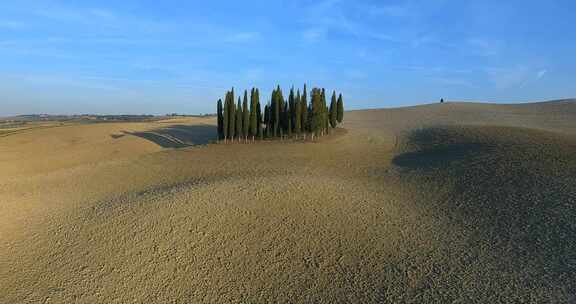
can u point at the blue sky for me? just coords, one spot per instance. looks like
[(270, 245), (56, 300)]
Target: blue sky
[(148, 56)]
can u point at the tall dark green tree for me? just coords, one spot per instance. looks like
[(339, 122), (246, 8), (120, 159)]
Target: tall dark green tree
[(340, 110), (272, 114), (239, 120), (323, 112), (220, 120), (288, 118), (277, 104), (316, 112), (298, 114), (291, 105), (232, 121), (259, 121), (226, 116), (245, 116), (333, 111), (253, 126), (304, 113), (267, 119), (282, 111)]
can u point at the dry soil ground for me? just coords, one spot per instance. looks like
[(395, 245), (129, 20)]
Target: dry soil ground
[(446, 203)]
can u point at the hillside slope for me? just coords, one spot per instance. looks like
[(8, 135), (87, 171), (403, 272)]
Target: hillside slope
[(442, 203)]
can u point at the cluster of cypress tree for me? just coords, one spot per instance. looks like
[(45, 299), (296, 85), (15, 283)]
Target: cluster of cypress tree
[(295, 117)]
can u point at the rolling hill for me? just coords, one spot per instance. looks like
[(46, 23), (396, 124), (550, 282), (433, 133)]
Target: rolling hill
[(454, 202)]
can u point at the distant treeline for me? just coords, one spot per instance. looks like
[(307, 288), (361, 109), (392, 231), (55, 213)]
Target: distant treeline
[(83, 117), (281, 118)]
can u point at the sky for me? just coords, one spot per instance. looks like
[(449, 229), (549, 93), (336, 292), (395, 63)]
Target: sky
[(157, 57)]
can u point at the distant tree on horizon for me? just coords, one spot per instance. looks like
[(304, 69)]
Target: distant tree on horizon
[(277, 105), (291, 105), (333, 111), (316, 112), (298, 114), (232, 118), (340, 112), (305, 126), (226, 116), (252, 127), (239, 120), (245, 116), (220, 120), (288, 119), (267, 119), (259, 120)]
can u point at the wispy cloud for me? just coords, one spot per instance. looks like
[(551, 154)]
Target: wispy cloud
[(516, 76), (453, 82), (11, 25), (244, 37), (541, 74), (356, 74), (102, 13), (358, 20), (484, 47), (62, 81), (312, 35), (254, 74), (397, 10)]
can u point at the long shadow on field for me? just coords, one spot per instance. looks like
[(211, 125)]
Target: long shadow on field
[(512, 189), (179, 136)]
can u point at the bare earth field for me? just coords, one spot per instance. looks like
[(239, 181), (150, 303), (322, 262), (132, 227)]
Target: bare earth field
[(445, 203)]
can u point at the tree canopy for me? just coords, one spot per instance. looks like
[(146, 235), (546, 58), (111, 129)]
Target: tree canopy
[(291, 118)]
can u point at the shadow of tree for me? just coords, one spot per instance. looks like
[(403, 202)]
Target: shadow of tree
[(179, 136)]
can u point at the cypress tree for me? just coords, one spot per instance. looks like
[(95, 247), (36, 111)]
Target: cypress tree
[(340, 110), (277, 103), (315, 113), (245, 116), (326, 120), (253, 111), (282, 111), (220, 120), (323, 116), (289, 120), (239, 120), (259, 121), (258, 110), (291, 102), (226, 116), (267, 119), (333, 111), (232, 121), (272, 111), (298, 114), (304, 119)]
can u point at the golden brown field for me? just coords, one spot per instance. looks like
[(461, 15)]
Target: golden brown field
[(445, 203)]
